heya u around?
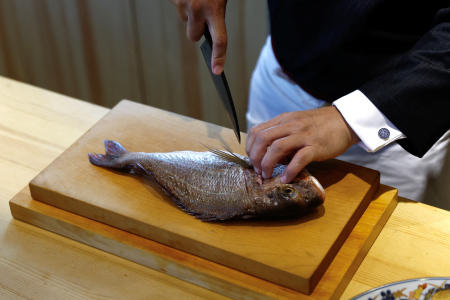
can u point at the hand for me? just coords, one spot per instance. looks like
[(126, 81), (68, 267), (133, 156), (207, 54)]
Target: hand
[(304, 136), (198, 14)]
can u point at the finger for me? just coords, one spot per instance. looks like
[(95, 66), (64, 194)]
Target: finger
[(195, 27), (254, 131), (279, 149), (218, 32), (263, 140), (181, 9), (300, 160)]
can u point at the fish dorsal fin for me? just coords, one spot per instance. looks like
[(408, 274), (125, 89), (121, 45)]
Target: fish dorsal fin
[(229, 156)]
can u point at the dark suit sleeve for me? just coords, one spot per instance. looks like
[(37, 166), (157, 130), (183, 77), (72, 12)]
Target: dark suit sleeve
[(415, 93)]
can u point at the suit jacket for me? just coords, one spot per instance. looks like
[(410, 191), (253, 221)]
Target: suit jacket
[(396, 52)]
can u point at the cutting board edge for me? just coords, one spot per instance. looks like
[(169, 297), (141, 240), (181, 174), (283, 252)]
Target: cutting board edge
[(124, 104), (290, 280), (160, 260), (131, 102), (331, 286), (370, 239), (348, 228)]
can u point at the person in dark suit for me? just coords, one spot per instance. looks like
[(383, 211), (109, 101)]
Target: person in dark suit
[(373, 73)]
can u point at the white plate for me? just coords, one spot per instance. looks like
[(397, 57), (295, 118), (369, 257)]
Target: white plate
[(433, 288)]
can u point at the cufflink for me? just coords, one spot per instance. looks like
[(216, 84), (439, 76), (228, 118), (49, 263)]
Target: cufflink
[(384, 133)]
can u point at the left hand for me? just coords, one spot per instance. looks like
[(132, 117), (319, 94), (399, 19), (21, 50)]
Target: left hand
[(306, 136)]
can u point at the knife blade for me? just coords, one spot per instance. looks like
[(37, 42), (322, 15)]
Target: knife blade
[(220, 81)]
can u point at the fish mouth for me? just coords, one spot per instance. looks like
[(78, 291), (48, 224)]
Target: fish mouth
[(320, 191)]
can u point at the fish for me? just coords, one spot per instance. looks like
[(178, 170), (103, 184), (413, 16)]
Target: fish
[(217, 185)]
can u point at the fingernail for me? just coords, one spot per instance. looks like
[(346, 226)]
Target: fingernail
[(257, 170), (283, 179), (264, 175), (217, 70)]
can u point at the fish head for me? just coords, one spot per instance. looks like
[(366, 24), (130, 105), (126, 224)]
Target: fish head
[(299, 196)]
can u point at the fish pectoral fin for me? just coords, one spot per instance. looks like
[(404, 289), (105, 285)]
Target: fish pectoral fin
[(138, 169)]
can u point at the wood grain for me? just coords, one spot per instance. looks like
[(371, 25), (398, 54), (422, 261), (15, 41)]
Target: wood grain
[(415, 243), (215, 277), (137, 206), (36, 126)]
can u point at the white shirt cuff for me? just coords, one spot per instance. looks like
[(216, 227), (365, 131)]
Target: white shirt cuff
[(371, 126)]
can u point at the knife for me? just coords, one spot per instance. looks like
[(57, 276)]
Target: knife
[(220, 81)]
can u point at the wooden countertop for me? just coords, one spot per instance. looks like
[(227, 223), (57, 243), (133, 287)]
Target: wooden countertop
[(37, 125)]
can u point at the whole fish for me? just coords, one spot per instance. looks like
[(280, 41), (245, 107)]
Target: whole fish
[(217, 185)]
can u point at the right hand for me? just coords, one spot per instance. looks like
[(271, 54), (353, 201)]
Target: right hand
[(199, 13)]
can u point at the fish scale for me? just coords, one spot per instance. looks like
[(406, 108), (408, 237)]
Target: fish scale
[(198, 180), (214, 187)]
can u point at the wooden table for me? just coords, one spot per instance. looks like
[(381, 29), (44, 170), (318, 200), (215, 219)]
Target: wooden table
[(37, 125)]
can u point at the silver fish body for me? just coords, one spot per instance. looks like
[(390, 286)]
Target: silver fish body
[(212, 188)]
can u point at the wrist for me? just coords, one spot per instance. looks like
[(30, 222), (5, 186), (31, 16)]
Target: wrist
[(352, 137)]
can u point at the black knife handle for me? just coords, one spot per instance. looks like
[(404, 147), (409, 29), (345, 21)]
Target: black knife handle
[(207, 36)]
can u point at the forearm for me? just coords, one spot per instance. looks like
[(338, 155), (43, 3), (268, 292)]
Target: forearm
[(414, 92)]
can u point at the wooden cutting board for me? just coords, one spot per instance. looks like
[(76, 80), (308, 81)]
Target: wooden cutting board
[(213, 276), (293, 253)]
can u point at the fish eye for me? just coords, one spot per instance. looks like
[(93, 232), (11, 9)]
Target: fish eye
[(288, 190)]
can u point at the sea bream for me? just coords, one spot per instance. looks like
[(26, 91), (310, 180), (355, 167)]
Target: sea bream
[(217, 185)]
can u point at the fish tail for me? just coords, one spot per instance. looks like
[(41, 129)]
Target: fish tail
[(113, 157), (114, 149)]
